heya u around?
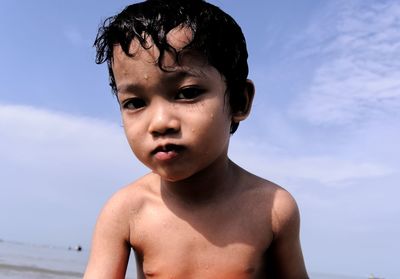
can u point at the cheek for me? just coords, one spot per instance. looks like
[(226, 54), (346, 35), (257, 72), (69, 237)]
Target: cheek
[(220, 117), (133, 137), (211, 125), (133, 126)]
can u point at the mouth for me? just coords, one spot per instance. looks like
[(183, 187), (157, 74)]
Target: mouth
[(167, 152)]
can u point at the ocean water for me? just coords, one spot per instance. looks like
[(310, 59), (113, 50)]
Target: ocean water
[(29, 261)]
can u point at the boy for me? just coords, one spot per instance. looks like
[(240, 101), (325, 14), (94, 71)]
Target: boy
[(179, 71)]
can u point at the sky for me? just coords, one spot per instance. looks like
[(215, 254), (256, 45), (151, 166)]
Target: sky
[(324, 123)]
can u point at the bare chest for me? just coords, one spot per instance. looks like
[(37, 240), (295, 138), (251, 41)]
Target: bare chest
[(212, 245)]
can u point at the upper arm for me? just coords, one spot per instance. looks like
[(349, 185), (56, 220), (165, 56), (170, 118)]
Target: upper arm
[(285, 252), (110, 245)]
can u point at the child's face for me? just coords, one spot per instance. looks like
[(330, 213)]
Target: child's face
[(177, 122)]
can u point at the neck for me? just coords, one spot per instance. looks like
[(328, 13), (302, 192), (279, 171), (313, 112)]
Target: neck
[(205, 186)]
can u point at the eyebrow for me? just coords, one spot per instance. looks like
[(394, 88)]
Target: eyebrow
[(175, 75), (128, 87)]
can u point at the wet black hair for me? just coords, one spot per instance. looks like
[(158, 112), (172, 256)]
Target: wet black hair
[(216, 35)]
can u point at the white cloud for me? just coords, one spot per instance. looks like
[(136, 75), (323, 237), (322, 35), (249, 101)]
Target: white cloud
[(332, 171), (51, 142), (34, 133), (57, 167), (359, 77)]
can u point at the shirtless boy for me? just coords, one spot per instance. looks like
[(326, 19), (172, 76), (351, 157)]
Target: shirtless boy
[(179, 71)]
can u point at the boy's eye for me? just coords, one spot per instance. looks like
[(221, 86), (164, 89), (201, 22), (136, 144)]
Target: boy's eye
[(189, 93), (134, 103)]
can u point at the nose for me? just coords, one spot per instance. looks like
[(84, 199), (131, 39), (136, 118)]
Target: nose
[(163, 119)]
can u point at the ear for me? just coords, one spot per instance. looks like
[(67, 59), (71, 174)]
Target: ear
[(247, 97)]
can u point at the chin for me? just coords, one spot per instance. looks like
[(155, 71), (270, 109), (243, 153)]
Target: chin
[(173, 177)]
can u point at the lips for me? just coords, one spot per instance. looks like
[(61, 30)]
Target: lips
[(167, 152)]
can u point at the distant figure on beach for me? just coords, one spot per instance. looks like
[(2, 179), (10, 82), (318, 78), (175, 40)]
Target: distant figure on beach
[(179, 71), (77, 248)]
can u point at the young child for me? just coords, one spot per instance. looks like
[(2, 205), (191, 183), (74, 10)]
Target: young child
[(179, 71)]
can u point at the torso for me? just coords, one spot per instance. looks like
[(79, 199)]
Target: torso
[(225, 239)]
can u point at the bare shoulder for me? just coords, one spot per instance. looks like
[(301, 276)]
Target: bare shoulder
[(277, 202), (285, 213), (273, 194), (285, 259), (129, 199), (284, 210), (111, 241), (116, 217)]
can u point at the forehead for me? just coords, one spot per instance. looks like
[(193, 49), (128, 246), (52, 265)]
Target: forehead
[(177, 38), (143, 57)]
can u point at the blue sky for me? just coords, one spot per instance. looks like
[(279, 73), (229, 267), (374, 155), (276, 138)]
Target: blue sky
[(325, 123)]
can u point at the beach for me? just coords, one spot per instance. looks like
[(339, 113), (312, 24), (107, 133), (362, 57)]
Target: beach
[(21, 261), (22, 272)]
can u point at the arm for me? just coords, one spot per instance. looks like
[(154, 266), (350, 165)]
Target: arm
[(110, 245), (285, 258)]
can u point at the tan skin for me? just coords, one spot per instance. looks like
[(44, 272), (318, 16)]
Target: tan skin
[(197, 215)]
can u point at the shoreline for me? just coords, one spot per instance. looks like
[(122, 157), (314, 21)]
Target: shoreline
[(39, 270)]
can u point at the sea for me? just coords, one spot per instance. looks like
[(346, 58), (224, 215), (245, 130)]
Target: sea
[(32, 261)]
